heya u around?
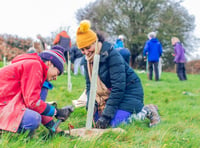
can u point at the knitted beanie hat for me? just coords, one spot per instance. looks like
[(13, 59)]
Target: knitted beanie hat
[(84, 35), (56, 56), (58, 47)]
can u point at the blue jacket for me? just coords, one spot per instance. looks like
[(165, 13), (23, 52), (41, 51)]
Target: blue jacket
[(119, 44), (153, 49), (179, 53), (126, 89)]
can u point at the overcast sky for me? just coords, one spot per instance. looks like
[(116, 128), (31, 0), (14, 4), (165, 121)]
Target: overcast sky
[(27, 18), (193, 8)]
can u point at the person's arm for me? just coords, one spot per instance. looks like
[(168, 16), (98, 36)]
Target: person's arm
[(31, 84), (70, 43), (177, 53), (117, 78), (118, 84), (160, 50), (145, 50), (57, 39)]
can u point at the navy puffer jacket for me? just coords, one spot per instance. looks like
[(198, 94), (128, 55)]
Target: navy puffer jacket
[(126, 89)]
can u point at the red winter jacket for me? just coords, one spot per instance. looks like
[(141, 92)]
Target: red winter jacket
[(20, 87)]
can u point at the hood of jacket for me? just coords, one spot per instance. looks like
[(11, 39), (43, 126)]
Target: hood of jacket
[(154, 40)]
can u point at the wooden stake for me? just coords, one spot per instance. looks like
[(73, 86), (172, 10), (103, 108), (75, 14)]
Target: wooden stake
[(93, 88), (69, 83), (147, 67), (4, 61)]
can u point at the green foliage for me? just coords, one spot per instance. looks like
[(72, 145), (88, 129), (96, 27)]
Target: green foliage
[(136, 18), (179, 113)]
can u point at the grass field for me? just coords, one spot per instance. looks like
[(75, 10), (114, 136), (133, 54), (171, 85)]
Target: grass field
[(179, 127)]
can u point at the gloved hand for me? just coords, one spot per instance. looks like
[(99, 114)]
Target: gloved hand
[(63, 113), (103, 122)]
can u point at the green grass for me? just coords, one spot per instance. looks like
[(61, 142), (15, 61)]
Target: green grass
[(179, 127), (1, 64)]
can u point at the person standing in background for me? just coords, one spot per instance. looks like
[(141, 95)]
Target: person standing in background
[(180, 60), (43, 44), (153, 49), (76, 57), (64, 40), (124, 52), (119, 42)]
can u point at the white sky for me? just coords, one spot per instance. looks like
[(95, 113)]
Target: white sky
[(193, 9), (27, 18)]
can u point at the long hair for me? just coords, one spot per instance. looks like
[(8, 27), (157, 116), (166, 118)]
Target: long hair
[(100, 37)]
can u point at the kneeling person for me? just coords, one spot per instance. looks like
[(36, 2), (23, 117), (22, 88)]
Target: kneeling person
[(21, 107), (119, 90)]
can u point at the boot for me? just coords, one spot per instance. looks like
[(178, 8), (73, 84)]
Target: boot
[(152, 114)]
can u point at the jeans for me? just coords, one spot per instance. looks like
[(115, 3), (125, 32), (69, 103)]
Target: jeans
[(32, 119), (180, 70), (77, 64), (155, 64)]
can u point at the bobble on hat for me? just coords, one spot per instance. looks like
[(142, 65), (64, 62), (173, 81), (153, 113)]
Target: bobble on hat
[(84, 35), (84, 26)]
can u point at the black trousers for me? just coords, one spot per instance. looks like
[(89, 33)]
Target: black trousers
[(153, 65), (180, 70)]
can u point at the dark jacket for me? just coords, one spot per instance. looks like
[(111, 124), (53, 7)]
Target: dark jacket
[(125, 53), (75, 53), (154, 50), (179, 53), (63, 39), (115, 73)]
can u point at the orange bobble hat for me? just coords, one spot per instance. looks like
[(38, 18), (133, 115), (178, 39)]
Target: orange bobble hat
[(84, 35)]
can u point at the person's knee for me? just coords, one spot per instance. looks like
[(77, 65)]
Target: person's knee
[(30, 121), (36, 121)]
